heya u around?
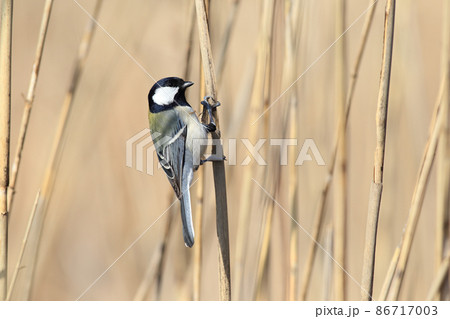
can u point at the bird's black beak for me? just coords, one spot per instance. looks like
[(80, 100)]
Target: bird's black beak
[(187, 84)]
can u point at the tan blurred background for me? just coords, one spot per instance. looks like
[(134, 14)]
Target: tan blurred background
[(100, 206)]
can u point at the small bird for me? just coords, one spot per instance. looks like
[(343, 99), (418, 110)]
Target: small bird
[(175, 129)]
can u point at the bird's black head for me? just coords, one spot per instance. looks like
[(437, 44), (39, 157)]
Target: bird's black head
[(168, 93)]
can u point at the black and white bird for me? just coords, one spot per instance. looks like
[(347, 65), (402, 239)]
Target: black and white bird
[(180, 141)]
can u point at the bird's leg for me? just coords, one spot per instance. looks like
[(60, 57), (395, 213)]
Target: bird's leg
[(211, 127)]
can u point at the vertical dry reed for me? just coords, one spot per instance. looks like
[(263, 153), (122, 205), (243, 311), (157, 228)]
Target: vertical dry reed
[(224, 43), (289, 75), (56, 152), (22, 248), (340, 207), (218, 166), (155, 269), (294, 257), (29, 102), (425, 167), (255, 110), (271, 175), (443, 164), (390, 274), (417, 200), (377, 182), (328, 267), (264, 249), (163, 249), (320, 211), (440, 278), (5, 117), (148, 281)]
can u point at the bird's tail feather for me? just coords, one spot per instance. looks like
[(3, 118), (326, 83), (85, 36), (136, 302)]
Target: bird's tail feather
[(186, 218)]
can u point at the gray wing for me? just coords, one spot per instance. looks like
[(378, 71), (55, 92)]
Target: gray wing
[(170, 150)]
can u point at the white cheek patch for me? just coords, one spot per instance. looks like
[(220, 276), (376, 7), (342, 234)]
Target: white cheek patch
[(165, 95)]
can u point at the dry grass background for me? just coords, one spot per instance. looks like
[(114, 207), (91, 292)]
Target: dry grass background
[(100, 206)]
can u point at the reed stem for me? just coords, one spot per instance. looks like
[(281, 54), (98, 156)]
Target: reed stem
[(377, 181), (340, 207), (224, 44), (320, 211), (29, 102), (255, 109), (22, 248), (155, 269), (427, 160), (440, 278), (218, 167), (290, 66), (390, 274), (443, 161), (5, 131), (417, 199), (56, 151)]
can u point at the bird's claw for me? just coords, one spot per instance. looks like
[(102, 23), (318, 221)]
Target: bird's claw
[(208, 105), (213, 158), (211, 127)]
